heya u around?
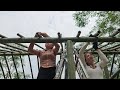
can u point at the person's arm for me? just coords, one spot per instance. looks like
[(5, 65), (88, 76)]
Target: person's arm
[(30, 48), (56, 49), (81, 53), (43, 34), (103, 58)]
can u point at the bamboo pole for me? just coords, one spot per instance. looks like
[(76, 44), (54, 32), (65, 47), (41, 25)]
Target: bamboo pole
[(112, 35), (12, 50), (105, 52), (15, 43), (106, 71), (70, 58), (7, 66), (55, 40), (21, 36)]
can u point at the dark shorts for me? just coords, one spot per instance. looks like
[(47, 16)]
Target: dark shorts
[(46, 73)]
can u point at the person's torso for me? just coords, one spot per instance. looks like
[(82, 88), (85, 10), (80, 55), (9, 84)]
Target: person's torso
[(47, 59), (96, 73)]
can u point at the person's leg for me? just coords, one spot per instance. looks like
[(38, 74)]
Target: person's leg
[(52, 72), (47, 73), (42, 74)]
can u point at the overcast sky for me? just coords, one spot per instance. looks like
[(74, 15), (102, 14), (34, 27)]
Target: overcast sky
[(28, 23)]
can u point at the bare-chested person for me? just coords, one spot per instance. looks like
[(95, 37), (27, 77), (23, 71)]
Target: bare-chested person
[(47, 57)]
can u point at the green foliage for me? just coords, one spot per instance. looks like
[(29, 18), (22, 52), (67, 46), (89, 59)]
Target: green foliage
[(106, 22)]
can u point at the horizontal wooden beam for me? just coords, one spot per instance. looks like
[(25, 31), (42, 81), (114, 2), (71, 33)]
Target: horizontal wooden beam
[(105, 52), (54, 40), (17, 54), (108, 52)]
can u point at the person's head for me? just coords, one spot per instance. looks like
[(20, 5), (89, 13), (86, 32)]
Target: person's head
[(49, 45), (89, 58)]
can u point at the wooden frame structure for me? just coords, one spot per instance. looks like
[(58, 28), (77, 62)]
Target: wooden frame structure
[(8, 49)]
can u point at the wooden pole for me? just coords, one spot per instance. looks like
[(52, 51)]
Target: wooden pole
[(56, 40), (70, 58), (24, 53)]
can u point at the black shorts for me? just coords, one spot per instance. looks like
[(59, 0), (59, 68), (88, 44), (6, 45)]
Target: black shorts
[(46, 73)]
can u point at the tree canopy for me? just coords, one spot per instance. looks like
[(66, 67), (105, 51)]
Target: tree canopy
[(106, 22)]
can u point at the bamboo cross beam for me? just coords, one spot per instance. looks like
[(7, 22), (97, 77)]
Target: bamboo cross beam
[(3, 37), (112, 35), (15, 43), (113, 47), (115, 33), (21, 36), (105, 52), (55, 40), (12, 49), (2, 50)]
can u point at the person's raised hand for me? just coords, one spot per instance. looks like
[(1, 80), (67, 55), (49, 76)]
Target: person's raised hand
[(38, 34), (95, 45)]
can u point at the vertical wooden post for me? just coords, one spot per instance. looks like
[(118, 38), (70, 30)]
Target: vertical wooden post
[(106, 71), (70, 58)]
